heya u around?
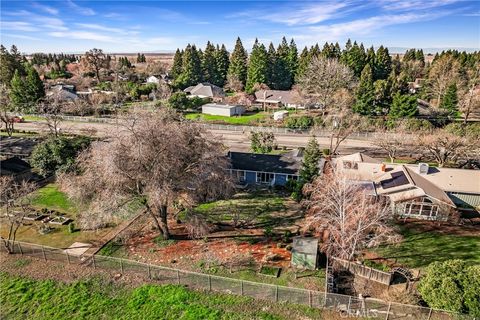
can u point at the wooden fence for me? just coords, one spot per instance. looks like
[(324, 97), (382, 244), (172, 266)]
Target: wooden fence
[(364, 271)]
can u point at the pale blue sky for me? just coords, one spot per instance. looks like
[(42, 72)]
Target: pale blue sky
[(128, 26)]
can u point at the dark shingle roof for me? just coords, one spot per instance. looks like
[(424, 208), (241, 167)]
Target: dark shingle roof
[(285, 163), (13, 165)]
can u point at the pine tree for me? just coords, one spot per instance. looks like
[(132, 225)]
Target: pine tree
[(221, 63), (34, 86), (17, 91), (282, 69), (328, 51), (403, 106), (238, 62), (311, 157), (365, 93), (355, 58), (177, 66), (450, 100), (209, 64), (257, 68), (271, 67), (419, 56), (383, 63), (139, 58), (303, 62), (192, 69), (383, 96), (293, 60), (409, 55), (371, 59)]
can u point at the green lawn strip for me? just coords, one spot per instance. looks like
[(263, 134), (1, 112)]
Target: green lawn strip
[(23, 298), (51, 197), (419, 248), (241, 120)]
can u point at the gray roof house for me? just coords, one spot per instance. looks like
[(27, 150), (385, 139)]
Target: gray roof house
[(205, 90), (278, 98), (63, 92)]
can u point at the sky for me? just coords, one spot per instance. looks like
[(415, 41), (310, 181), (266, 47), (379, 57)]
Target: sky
[(156, 26)]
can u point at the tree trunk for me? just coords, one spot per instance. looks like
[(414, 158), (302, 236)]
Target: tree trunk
[(163, 223)]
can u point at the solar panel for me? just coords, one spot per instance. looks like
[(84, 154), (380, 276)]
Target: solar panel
[(398, 179)]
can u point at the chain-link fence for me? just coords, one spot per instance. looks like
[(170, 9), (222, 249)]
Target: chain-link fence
[(347, 305)]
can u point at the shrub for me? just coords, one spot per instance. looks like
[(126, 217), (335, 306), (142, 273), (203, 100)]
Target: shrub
[(71, 227), (179, 101), (469, 131), (268, 232), (303, 122), (453, 286)]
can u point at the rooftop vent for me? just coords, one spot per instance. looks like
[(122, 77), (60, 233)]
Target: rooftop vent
[(423, 168)]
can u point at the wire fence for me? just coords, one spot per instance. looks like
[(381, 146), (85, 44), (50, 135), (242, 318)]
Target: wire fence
[(347, 305)]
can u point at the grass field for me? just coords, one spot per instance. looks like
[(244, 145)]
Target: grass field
[(51, 197), (420, 248), (23, 298), (242, 120)]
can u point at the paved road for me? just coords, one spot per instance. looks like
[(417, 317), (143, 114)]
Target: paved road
[(232, 139)]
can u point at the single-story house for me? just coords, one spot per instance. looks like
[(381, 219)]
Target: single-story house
[(267, 169), (205, 90), (222, 109), (278, 98), (63, 92), (280, 115)]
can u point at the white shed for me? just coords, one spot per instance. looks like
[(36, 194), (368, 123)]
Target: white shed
[(222, 109), (280, 115), (153, 79)]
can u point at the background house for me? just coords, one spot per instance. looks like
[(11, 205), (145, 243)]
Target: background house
[(205, 90), (268, 169), (278, 98)]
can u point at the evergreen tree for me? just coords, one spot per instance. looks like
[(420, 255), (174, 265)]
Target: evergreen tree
[(328, 51), (403, 106), (192, 69), (419, 56), (139, 58), (371, 59), (221, 63), (450, 100), (383, 63), (314, 52), (17, 91), (209, 67), (34, 88), (258, 66), (409, 55), (271, 67), (311, 157), (303, 62), (282, 69), (9, 62), (365, 93), (383, 96), (355, 58), (337, 51), (293, 60), (177, 66), (238, 62)]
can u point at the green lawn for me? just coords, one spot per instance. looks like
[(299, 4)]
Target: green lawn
[(420, 248), (246, 119), (23, 298), (51, 197), (33, 118)]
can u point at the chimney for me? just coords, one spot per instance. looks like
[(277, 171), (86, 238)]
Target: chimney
[(383, 168)]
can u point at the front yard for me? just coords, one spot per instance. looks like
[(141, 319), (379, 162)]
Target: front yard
[(246, 119)]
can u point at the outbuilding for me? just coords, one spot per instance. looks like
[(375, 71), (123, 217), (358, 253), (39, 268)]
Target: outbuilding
[(280, 115), (222, 109), (305, 253)]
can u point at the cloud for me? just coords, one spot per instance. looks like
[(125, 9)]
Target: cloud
[(411, 5), (18, 26), (45, 8), (99, 27), (82, 10), (21, 36), (50, 23), (83, 35)]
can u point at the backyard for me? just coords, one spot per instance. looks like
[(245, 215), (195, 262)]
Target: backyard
[(246, 119)]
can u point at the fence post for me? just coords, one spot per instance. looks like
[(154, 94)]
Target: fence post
[(149, 272), (276, 293), (68, 256), (20, 247), (349, 303), (178, 277), (388, 310), (43, 252), (93, 261), (310, 298), (209, 283), (241, 288)]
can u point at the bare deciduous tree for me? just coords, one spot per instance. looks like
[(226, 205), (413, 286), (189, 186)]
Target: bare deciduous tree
[(52, 108), (157, 160), (444, 147), (14, 201), (470, 98), (5, 109), (443, 72), (350, 218), (392, 143), (323, 79), (96, 61), (233, 83)]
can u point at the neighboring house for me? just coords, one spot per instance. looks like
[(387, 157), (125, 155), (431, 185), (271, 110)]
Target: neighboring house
[(417, 191), (63, 92), (222, 110), (153, 79), (278, 98), (205, 90), (15, 167), (267, 169), (416, 85)]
